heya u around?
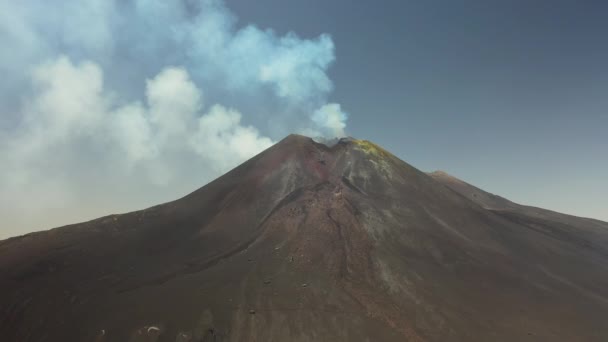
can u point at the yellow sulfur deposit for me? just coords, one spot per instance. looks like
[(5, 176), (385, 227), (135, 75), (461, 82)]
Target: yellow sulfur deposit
[(371, 148)]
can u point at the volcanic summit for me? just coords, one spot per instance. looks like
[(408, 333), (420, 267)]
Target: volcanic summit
[(307, 242)]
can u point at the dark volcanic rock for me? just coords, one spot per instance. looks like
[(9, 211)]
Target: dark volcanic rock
[(307, 242)]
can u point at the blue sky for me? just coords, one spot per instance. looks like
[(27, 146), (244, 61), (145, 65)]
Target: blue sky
[(511, 96), (112, 106)]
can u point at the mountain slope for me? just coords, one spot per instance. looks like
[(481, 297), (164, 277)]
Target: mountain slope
[(588, 233), (310, 243)]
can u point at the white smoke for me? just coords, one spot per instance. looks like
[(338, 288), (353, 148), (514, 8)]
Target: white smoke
[(133, 40), (110, 106), (332, 118), (76, 141)]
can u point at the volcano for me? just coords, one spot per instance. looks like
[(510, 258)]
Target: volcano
[(310, 242)]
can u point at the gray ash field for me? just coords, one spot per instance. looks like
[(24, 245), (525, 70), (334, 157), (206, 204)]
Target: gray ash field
[(306, 242)]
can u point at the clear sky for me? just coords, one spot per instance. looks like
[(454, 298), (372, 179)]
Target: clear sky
[(108, 106)]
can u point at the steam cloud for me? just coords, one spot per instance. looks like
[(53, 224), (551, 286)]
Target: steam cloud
[(110, 106)]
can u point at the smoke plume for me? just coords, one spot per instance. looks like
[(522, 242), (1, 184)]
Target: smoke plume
[(110, 106)]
